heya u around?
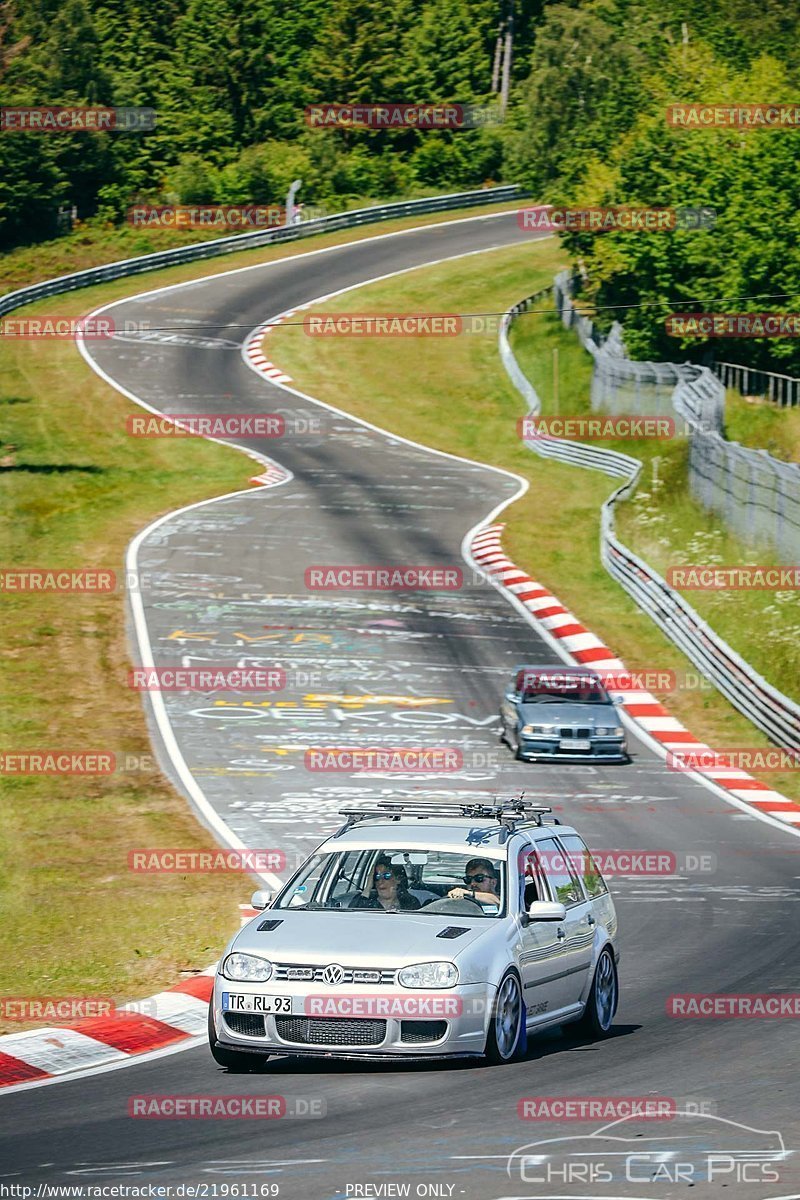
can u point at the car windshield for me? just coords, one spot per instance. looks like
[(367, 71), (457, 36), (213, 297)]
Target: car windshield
[(566, 689), (384, 881)]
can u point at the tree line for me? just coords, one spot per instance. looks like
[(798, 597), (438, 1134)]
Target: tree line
[(585, 126)]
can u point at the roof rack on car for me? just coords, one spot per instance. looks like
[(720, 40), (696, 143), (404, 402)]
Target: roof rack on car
[(508, 814)]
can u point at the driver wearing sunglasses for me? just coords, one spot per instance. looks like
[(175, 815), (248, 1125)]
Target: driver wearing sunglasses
[(482, 883), (387, 888)]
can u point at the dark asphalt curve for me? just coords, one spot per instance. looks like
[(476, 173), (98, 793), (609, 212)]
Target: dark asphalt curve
[(225, 583)]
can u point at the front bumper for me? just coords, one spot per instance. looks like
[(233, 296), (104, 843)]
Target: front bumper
[(549, 749), (349, 1055), (373, 1037)]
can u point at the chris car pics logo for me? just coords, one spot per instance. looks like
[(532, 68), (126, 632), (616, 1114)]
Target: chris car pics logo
[(693, 1148)]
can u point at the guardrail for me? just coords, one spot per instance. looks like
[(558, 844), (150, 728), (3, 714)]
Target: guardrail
[(775, 714), (262, 237), (783, 390), (758, 495)]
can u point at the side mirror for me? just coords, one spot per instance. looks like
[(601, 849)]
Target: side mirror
[(619, 699), (262, 899), (545, 910)]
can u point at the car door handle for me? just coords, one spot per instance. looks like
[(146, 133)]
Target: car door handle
[(561, 935)]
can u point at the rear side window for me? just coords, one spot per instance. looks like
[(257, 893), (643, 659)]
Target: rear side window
[(564, 886), (583, 864)]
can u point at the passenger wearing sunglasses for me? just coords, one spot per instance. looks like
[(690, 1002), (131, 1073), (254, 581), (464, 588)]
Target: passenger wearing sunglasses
[(482, 883), (388, 889)]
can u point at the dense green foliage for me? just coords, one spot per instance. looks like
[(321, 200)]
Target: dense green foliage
[(230, 84), (586, 125), (591, 129)]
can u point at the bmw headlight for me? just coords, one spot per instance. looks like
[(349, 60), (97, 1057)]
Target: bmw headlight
[(429, 975), (609, 731), (246, 968), (537, 730)]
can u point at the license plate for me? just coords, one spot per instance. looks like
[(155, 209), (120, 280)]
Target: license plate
[(233, 1002), (575, 744)]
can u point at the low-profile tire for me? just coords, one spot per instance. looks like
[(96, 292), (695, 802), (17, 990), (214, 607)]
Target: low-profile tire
[(506, 1037), (235, 1061), (598, 1016)]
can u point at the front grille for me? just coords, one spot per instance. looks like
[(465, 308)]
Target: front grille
[(567, 731), (247, 1024), (330, 1031), (422, 1031), (312, 973)]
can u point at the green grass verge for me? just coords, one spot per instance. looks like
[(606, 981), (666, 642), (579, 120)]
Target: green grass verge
[(74, 489), (453, 395), (752, 421)]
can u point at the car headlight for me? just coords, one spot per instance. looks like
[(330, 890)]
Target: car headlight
[(429, 975), (247, 968), (609, 731), (537, 730)]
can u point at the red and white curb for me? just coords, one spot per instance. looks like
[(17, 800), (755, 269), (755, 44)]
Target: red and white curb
[(141, 1027), (255, 353), (584, 648), (273, 475)]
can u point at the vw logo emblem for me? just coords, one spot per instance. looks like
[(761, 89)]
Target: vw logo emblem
[(333, 974)]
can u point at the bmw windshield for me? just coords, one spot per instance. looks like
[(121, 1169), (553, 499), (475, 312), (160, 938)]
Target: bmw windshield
[(579, 689), (393, 881)]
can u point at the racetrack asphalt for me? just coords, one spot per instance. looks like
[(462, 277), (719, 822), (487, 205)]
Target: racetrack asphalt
[(224, 583)]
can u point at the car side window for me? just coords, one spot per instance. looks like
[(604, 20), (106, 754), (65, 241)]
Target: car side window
[(352, 874), (564, 886), (531, 883), (583, 864)]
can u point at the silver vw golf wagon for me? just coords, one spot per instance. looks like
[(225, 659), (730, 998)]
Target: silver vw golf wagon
[(423, 930)]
